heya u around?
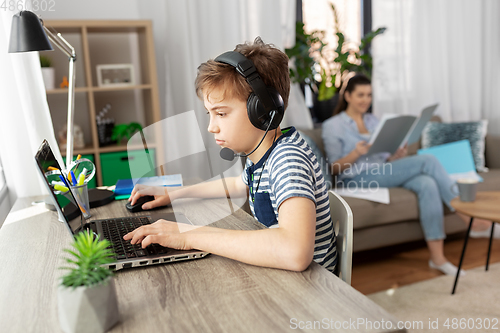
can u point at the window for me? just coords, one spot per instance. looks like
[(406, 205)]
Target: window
[(319, 15)]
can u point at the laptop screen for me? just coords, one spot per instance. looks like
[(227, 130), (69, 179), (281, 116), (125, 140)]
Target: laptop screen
[(64, 201)]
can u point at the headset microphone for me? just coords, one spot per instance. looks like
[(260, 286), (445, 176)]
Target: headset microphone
[(229, 155)]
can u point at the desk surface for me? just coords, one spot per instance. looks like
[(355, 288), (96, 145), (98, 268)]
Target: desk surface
[(486, 206), (213, 294)]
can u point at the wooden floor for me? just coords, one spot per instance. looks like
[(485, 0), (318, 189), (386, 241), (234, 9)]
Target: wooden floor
[(397, 266)]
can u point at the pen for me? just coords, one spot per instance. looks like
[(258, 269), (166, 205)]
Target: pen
[(73, 178), (81, 177), (63, 180), (61, 188)]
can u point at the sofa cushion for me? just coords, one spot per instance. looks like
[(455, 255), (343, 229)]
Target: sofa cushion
[(435, 134), (403, 207)]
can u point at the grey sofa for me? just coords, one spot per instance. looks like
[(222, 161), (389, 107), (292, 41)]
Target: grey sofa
[(378, 225)]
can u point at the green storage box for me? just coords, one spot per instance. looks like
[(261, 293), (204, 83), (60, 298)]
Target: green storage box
[(126, 165)]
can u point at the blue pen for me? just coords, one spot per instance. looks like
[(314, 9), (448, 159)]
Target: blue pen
[(63, 180), (73, 178)]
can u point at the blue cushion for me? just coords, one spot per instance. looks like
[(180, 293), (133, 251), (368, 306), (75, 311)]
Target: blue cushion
[(323, 163), (435, 134)]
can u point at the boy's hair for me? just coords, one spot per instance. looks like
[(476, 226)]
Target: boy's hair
[(270, 62)]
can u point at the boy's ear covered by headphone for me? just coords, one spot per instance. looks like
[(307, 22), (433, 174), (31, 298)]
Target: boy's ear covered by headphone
[(263, 100), (265, 105)]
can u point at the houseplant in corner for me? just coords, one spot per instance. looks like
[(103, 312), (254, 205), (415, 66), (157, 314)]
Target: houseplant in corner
[(305, 54), (344, 59), (86, 296), (324, 68)]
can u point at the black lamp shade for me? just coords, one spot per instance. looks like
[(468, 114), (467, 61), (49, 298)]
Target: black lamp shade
[(27, 34)]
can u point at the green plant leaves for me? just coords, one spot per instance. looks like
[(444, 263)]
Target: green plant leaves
[(306, 44), (45, 61), (90, 254), (123, 131), (312, 57), (326, 88)]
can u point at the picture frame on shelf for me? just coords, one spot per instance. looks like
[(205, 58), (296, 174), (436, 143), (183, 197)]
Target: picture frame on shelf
[(115, 75)]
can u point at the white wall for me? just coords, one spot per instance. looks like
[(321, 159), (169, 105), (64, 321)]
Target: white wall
[(95, 10)]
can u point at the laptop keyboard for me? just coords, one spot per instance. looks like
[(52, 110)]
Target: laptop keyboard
[(115, 229)]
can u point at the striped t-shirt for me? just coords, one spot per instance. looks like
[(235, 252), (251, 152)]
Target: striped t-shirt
[(292, 170)]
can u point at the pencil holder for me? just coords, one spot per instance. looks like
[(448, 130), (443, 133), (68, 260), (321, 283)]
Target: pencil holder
[(81, 195)]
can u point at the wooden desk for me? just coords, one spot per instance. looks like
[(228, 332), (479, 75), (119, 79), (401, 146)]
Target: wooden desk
[(213, 294), (486, 206)]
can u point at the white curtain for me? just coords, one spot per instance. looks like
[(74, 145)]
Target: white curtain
[(438, 51), (25, 118)]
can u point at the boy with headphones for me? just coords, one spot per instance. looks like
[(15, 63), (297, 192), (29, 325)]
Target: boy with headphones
[(245, 92)]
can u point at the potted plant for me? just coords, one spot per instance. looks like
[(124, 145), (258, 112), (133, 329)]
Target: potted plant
[(323, 68), (306, 69), (86, 296), (48, 72), (344, 59), (125, 131), (307, 46)]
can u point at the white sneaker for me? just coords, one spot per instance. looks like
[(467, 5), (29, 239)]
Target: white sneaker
[(447, 268), (486, 233)]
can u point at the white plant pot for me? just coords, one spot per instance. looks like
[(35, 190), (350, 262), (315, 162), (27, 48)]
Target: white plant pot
[(49, 77), (85, 309)]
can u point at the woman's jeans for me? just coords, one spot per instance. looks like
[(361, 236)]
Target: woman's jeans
[(422, 174)]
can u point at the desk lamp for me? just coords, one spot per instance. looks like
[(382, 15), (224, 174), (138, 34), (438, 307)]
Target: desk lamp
[(28, 33)]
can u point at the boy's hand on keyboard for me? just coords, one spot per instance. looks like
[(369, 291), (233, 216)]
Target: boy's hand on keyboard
[(160, 193), (166, 233)]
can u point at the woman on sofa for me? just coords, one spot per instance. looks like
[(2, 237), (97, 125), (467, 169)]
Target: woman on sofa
[(346, 136)]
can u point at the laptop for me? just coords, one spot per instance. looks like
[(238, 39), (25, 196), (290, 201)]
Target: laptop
[(113, 229)]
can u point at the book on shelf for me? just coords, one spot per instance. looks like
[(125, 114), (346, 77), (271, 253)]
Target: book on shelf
[(125, 186), (395, 131)]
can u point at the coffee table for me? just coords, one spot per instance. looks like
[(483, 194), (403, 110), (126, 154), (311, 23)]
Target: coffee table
[(486, 206)]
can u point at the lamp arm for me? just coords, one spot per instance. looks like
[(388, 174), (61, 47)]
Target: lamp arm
[(71, 112), (60, 42), (69, 50), (73, 54)]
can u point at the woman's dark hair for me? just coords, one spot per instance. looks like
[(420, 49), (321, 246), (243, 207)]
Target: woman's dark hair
[(358, 79)]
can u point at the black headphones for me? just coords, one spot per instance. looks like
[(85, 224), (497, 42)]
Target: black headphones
[(263, 100)]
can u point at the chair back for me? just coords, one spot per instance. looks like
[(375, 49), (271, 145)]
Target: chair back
[(342, 222)]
